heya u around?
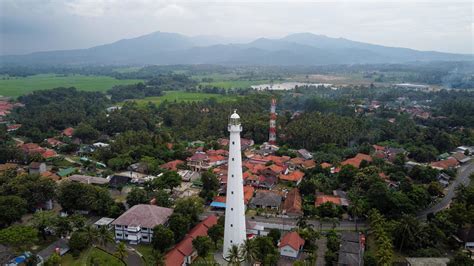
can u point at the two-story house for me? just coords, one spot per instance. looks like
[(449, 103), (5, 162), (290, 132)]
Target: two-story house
[(136, 224)]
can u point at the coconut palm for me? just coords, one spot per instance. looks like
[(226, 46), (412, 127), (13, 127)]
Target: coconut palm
[(234, 255), (104, 236), (121, 250), (92, 234), (248, 250)]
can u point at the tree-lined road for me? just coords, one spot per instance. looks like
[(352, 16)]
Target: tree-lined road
[(462, 178)]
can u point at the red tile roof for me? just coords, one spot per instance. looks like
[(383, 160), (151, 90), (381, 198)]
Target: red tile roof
[(324, 198), (326, 165), (292, 239), (68, 132), (49, 154), (173, 165), (308, 164), (362, 157), (248, 193), (174, 258), (210, 221), (185, 248), (199, 230), (294, 176), (445, 164), (293, 202)]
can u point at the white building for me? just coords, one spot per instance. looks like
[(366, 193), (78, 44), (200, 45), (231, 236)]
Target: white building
[(234, 230), (290, 245), (136, 224)]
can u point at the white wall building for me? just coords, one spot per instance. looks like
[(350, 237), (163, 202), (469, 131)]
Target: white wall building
[(136, 224), (234, 231)]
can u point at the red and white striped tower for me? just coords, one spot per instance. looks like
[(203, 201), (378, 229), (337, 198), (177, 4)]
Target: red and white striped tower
[(273, 116)]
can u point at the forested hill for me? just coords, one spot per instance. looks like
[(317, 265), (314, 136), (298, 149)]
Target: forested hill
[(296, 49)]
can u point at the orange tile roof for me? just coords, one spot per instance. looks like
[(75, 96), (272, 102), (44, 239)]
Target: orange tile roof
[(185, 246), (293, 202), (294, 176), (199, 230), (276, 168), (51, 176), (49, 153), (297, 160), (173, 165), (308, 164), (174, 258), (445, 164), (292, 239), (219, 199), (248, 193), (324, 198), (362, 156), (326, 165), (210, 221), (277, 159), (352, 161), (68, 131)]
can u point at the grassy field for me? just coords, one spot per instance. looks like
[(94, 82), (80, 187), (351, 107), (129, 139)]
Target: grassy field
[(182, 96), (100, 257), (229, 84), (16, 86)]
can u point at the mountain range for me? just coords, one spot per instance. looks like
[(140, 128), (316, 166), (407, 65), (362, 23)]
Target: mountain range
[(164, 48)]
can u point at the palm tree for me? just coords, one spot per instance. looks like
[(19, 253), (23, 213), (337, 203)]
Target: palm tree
[(121, 250), (248, 250), (156, 258), (104, 236), (356, 210), (92, 234), (234, 256), (335, 222)]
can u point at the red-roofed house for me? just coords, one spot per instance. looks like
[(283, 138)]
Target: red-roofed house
[(172, 166), (183, 253), (54, 142), (68, 132), (202, 161), (308, 164), (326, 165), (292, 204), (290, 245), (321, 199), (14, 127), (31, 148), (355, 161), (293, 177), (49, 154), (449, 163), (248, 194)]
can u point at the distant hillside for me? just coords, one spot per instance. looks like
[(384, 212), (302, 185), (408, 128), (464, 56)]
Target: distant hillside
[(171, 48)]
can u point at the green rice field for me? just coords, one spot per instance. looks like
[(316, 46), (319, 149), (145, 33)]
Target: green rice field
[(16, 86), (182, 96)]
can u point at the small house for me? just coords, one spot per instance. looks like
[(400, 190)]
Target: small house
[(36, 168), (291, 244)]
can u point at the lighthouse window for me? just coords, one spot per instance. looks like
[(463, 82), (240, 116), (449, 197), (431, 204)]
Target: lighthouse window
[(232, 175), (231, 209), (232, 192), (233, 142), (232, 159), (231, 225), (231, 241)]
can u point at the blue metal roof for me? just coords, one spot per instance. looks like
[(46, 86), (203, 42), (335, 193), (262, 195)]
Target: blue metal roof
[(217, 204)]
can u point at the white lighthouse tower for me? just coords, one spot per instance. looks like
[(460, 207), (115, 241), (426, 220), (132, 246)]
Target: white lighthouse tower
[(234, 231)]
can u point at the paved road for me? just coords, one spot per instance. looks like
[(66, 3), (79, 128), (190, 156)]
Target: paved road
[(462, 178), (290, 223)]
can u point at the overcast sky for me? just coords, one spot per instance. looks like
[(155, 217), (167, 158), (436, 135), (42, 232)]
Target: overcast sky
[(39, 25)]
